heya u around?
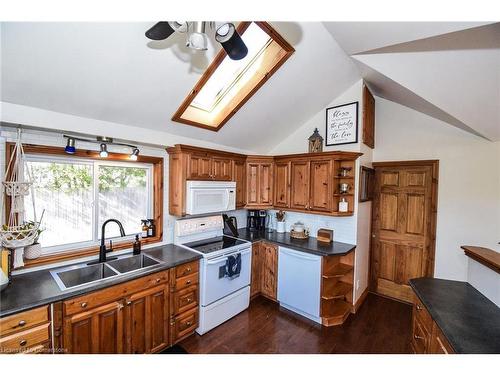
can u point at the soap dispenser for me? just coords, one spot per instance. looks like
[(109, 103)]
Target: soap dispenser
[(137, 245)]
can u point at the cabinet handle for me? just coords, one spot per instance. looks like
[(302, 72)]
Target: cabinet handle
[(23, 342), (417, 337), (189, 300), (158, 280), (84, 305), (187, 270), (418, 307), (21, 323), (188, 323), (188, 282), (129, 303)]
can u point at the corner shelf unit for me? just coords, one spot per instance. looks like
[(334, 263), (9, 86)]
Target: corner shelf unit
[(337, 288), (339, 179)]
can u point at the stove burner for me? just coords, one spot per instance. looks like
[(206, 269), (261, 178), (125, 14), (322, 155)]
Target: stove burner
[(214, 244)]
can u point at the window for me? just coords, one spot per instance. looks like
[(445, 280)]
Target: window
[(227, 84), (79, 195)]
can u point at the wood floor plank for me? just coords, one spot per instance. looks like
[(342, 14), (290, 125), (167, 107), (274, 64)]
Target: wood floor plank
[(381, 325)]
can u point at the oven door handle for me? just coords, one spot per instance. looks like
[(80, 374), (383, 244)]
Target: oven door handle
[(223, 258)]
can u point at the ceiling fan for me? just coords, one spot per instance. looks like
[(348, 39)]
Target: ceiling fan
[(197, 38)]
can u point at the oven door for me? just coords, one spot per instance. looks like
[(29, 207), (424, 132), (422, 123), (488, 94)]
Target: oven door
[(214, 285)]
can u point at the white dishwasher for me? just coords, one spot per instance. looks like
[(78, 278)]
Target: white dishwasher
[(299, 282)]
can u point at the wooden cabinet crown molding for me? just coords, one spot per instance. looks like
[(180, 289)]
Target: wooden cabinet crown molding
[(181, 148)]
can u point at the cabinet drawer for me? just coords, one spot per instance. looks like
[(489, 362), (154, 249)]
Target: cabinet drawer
[(186, 269), (185, 299), (420, 338), (24, 320), (101, 297), (21, 341), (185, 324), (186, 281), (439, 344), (421, 313)]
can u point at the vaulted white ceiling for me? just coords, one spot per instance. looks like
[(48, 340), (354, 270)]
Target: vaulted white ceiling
[(112, 72), (450, 71)]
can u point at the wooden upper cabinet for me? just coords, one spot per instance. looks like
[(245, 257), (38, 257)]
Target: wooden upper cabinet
[(259, 183), (239, 176), (299, 176), (200, 167), (321, 185), (282, 184), (368, 118), (222, 169)]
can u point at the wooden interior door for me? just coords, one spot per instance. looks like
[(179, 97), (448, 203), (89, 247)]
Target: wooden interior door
[(239, 176), (403, 227), (266, 183), (299, 175), (147, 320), (281, 184), (97, 331), (321, 185)]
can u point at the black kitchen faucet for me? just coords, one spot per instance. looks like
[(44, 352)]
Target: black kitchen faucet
[(102, 248)]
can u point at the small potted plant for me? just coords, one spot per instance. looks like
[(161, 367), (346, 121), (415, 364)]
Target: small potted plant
[(280, 221), (34, 250)]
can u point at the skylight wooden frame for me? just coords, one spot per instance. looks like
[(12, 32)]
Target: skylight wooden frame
[(268, 29)]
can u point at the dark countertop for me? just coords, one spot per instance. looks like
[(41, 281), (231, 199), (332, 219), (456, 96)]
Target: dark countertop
[(38, 288), (469, 320), (311, 245)]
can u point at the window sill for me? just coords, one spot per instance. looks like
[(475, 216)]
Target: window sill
[(84, 252)]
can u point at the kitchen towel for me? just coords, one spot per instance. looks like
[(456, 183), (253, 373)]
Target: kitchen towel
[(233, 266)]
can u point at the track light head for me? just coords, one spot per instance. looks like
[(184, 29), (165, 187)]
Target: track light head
[(70, 146), (163, 29), (134, 154), (231, 41), (104, 151)]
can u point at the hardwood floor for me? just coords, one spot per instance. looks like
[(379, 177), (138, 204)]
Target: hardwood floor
[(381, 325)]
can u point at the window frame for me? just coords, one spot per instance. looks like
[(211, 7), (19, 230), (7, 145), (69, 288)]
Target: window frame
[(89, 248), (268, 29)]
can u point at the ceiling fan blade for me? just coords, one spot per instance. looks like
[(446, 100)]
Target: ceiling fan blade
[(162, 30)]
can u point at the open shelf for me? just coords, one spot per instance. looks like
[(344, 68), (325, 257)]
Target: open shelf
[(338, 270), (337, 291), (343, 195), (335, 311), (344, 177)]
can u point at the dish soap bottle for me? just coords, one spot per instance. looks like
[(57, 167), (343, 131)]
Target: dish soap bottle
[(343, 205), (137, 245), (144, 233)]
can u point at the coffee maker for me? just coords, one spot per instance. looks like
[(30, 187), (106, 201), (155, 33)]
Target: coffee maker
[(256, 220)]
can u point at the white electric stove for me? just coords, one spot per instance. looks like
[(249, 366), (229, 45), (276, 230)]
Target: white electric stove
[(221, 296)]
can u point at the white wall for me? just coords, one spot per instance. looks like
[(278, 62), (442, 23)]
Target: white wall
[(469, 180)]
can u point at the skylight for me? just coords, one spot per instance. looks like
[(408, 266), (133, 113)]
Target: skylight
[(228, 84)]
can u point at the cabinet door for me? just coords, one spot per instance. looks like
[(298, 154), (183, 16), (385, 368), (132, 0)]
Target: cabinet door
[(282, 184), (321, 185), (255, 286), (269, 270), (439, 344), (299, 175), (266, 183), (147, 320), (199, 167), (98, 331), (252, 184), (222, 169), (239, 176)]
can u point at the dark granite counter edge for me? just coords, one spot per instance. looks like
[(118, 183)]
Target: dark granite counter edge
[(102, 285), (429, 309), (308, 250)]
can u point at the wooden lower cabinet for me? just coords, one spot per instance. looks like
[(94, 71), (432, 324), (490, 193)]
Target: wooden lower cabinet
[(427, 337), (264, 279), (145, 315), (26, 332)]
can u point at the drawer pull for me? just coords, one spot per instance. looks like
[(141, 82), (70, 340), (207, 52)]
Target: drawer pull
[(23, 342), (129, 303), (189, 323), (158, 280), (188, 282), (418, 307), (187, 270), (84, 305), (21, 323), (189, 300), (417, 337)]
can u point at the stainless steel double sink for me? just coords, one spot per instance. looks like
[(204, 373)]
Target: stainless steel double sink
[(83, 274)]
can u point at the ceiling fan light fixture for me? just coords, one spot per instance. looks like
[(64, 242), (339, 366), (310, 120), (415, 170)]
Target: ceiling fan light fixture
[(231, 41)]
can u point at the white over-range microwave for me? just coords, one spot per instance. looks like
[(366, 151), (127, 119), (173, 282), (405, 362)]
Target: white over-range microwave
[(203, 197)]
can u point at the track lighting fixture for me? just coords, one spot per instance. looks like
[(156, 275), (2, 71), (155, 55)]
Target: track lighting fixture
[(104, 151), (197, 37), (70, 146), (134, 154)]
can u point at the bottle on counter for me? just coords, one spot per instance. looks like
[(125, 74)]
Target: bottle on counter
[(144, 231), (137, 245)]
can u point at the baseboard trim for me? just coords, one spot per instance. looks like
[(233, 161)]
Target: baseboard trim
[(360, 301)]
